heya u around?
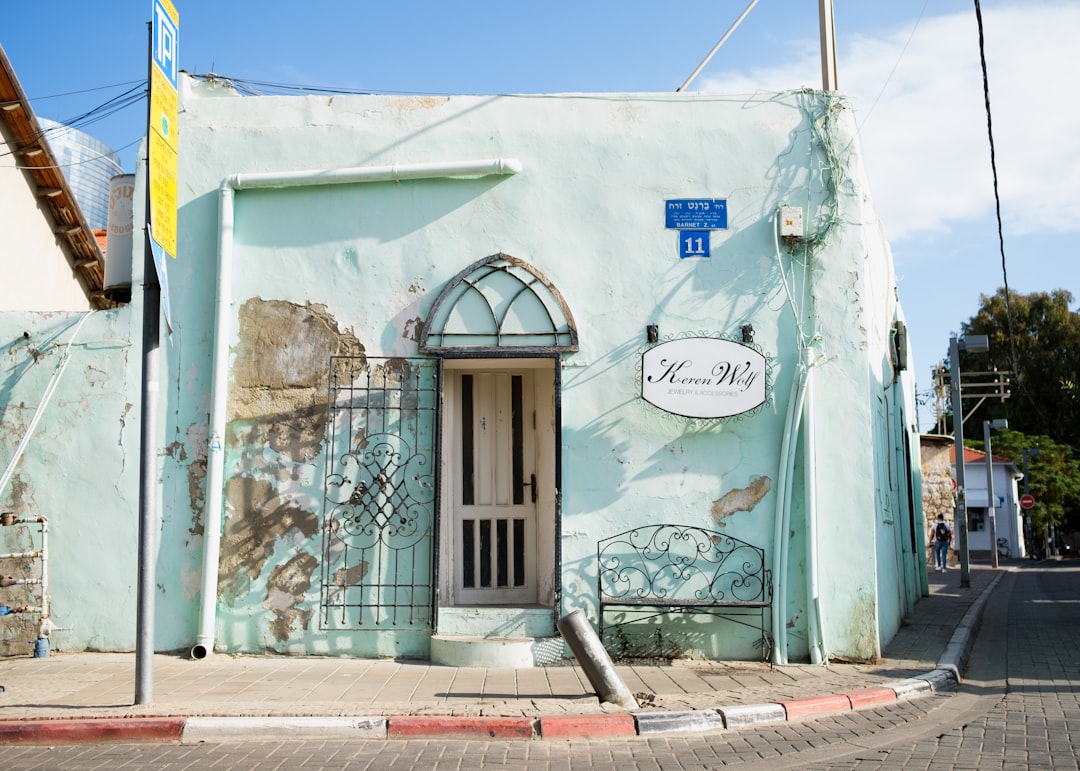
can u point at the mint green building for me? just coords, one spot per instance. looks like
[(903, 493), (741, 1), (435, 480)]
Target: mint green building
[(427, 353)]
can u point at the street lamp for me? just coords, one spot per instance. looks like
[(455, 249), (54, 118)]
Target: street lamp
[(1029, 534), (991, 502), (972, 343)]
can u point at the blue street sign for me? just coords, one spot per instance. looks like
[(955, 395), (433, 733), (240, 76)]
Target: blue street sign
[(164, 40), (693, 243), (695, 213)]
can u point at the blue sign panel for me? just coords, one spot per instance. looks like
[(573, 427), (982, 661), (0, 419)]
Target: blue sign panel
[(696, 213), (165, 40), (693, 243)]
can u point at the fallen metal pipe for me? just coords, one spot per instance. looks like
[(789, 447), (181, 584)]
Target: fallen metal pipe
[(594, 659)]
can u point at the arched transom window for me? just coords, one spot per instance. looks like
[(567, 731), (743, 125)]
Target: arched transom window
[(499, 303)]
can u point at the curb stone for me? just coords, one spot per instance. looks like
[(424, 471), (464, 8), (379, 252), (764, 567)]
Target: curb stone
[(472, 727), (940, 679), (587, 726), (668, 722), (815, 706), (911, 688), (202, 729), (91, 730), (752, 714), (870, 696)]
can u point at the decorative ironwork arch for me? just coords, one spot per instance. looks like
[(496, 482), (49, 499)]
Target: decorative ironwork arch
[(497, 304)]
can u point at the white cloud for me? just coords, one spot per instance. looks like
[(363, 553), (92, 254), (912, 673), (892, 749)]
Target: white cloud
[(919, 102)]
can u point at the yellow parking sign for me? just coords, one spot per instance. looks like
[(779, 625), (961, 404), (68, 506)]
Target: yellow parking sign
[(162, 131)]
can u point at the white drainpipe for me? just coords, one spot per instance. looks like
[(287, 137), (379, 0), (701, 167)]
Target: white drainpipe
[(813, 595), (782, 521), (204, 643)]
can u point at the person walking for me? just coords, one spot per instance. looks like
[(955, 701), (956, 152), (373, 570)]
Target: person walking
[(940, 536)]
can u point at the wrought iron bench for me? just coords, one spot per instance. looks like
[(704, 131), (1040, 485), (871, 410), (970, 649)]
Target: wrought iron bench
[(659, 569)]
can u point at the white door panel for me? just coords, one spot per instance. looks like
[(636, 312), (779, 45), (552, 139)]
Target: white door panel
[(495, 506)]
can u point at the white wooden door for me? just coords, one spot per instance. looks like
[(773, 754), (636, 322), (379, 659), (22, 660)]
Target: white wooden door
[(495, 488)]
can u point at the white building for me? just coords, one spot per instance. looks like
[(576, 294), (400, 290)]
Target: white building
[(50, 259), (1006, 507)]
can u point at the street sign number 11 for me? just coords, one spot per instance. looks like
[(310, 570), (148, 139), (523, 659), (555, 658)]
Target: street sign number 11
[(693, 243)]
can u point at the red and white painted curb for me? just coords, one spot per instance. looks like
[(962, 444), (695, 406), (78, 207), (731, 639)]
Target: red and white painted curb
[(193, 730)]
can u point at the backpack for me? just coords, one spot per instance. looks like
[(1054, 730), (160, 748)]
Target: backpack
[(941, 531)]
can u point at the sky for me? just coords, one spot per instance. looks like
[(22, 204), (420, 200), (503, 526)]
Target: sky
[(911, 69)]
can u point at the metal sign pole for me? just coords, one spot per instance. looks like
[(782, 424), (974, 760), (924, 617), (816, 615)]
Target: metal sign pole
[(148, 510)]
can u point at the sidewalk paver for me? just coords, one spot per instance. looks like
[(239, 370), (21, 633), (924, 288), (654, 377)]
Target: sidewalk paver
[(100, 686)]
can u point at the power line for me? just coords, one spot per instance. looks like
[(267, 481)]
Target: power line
[(133, 96), (997, 196), (892, 72), (84, 90)]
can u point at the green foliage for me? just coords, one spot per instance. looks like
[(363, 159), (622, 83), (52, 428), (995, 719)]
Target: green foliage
[(1053, 476), (1042, 352), (1041, 348)]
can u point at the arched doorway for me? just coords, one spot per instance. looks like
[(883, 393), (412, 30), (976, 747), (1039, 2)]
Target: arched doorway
[(500, 329)]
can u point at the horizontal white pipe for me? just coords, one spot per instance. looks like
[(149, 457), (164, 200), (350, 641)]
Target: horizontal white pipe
[(394, 173), (204, 641)]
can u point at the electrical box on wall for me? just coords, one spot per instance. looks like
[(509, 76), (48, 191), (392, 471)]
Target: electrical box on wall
[(791, 221)]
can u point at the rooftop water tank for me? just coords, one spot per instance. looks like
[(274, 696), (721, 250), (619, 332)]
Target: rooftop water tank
[(88, 165)]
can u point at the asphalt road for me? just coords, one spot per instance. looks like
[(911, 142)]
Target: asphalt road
[(1018, 708)]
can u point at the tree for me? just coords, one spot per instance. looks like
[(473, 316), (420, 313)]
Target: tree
[(1054, 478), (1041, 347)]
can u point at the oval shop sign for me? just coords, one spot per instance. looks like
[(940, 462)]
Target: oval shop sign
[(703, 377)]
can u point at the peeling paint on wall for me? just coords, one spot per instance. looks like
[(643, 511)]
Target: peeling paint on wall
[(195, 458), (21, 496), (261, 518), (350, 576), (279, 373), (195, 476), (277, 425), (743, 499), (123, 417), (412, 329), (285, 591)]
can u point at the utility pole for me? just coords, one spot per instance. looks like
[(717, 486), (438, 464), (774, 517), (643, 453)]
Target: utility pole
[(971, 343), (993, 384), (828, 45)]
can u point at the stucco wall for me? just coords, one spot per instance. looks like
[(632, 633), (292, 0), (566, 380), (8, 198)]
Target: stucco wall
[(365, 261), (79, 470), (354, 269)]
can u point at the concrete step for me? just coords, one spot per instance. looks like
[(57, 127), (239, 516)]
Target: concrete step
[(496, 636), (496, 652), (496, 621)]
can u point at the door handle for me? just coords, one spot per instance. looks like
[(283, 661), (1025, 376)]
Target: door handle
[(531, 484)]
